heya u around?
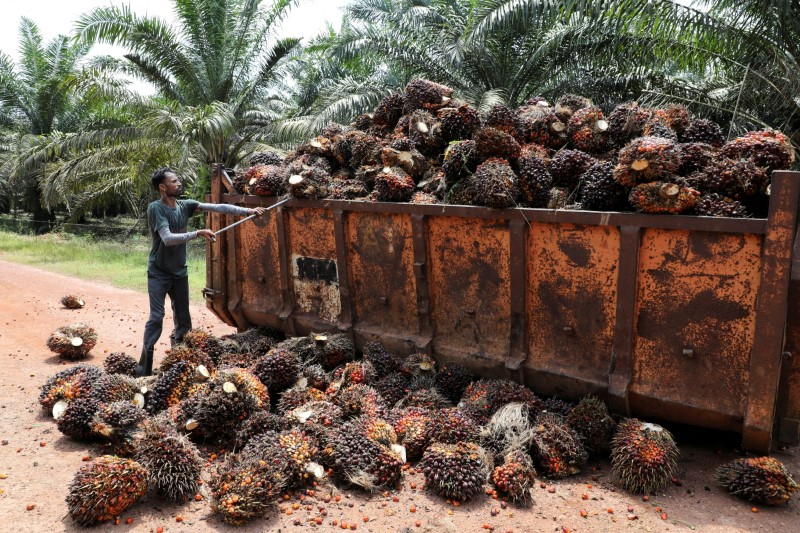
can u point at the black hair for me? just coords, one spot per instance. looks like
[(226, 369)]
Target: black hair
[(159, 175)]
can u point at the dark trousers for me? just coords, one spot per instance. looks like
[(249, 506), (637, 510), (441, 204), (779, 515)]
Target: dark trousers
[(158, 288)]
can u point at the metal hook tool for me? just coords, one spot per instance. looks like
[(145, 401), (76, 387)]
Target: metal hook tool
[(273, 206)]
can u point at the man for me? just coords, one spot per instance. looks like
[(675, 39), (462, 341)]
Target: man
[(167, 274)]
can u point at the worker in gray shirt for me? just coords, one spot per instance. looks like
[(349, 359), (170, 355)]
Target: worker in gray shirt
[(167, 273)]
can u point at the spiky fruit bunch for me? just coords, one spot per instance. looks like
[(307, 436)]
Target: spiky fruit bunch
[(76, 421), (73, 341), (348, 189), (291, 450), (662, 197), (334, 349), (418, 364), (182, 352), (461, 193), (494, 143), (735, 179), (72, 301), (266, 180), (508, 429), (587, 130), (425, 399), (557, 406), (323, 413), (535, 181), (644, 456), (496, 184), (382, 361), (455, 471), (314, 376), (424, 94), (656, 128), (757, 479), (357, 400), (300, 161), (516, 477), (716, 205), (173, 463), (296, 397), (411, 161), (626, 122), (592, 422), (267, 157), (409, 425), (450, 426), (120, 363), (394, 184), (309, 349), (117, 418), (104, 488), (647, 159), (702, 130), (362, 122), (244, 488), (452, 380), (357, 459), (769, 149), (358, 372), (425, 133), (388, 112), (600, 191), (567, 166), (278, 370), (458, 122), (376, 429), (483, 398), (218, 411), (256, 341), (116, 388), (320, 146), (695, 157), (258, 422), (557, 449), (69, 384), (675, 116), (460, 161), (172, 387), (423, 198), (500, 117), (540, 125), (312, 182)]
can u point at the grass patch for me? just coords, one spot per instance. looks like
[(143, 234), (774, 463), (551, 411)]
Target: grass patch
[(120, 263)]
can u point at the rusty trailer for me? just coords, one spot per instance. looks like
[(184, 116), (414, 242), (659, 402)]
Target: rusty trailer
[(690, 319)]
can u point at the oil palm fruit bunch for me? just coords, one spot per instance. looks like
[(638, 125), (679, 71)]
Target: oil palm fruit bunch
[(116, 422), (656, 128), (393, 184), (662, 197), (716, 205), (173, 463), (647, 159), (452, 425), (267, 157), (358, 372), (600, 191), (568, 104), (567, 166), (695, 157), (244, 488), (393, 387), (410, 160), (388, 112), (507, 430), (376, 429), (461, 193), (104, 488), (769, 149), (702, 130), (495, 184), (557, 449), (644, 456), (73, 341), (675, 116), (535, 181), (359, 460), (310, 182), (292, 450), (425, 398), (76, 420), (67, 385), (72, 301), (266, 180), (483, 398), (182, 352), (626, 122), (120, 363), (735, 179), (424, 94), (418, 364), (587, 130), (359, 399), (382, 361), (117, 388), (314, 376), (494, 143), (258, 422), (348, 189), (592, 422), (516, 477), (460, 161), (171, 387), (455, 471), (278, 370), (334, 349), (757, 479), (537, 123), (295, 397), (425, 133), (458, 123), (452, 380), (409, 425), (320, 412), (558, 406), (500, 117)]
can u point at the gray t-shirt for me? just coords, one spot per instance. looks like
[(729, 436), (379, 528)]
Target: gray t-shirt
[(168, 260)]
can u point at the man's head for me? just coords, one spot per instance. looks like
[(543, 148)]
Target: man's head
[(166, 182)]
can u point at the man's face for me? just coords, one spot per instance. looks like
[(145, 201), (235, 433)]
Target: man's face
[(172, 186)]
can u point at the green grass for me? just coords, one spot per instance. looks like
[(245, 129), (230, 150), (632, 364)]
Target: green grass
[(122, 264)]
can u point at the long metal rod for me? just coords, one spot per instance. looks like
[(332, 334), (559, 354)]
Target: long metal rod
[(273, 206)]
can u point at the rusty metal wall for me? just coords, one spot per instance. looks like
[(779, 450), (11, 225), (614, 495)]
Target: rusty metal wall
[(680, 318)]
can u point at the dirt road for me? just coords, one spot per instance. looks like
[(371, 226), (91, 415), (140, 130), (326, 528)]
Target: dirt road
[(37, 462)]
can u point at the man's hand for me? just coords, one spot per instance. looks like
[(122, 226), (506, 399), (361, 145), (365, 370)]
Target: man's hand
[(207, 234), (258, 211)]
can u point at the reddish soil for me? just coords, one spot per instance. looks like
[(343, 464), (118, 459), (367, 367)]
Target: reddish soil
[(37, 462)]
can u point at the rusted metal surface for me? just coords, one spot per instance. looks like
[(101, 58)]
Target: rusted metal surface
[(470, 289), (572, 281), (695, 318), (676, 317)]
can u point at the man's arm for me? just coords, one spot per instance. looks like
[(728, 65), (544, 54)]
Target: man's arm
[(171, 239), (228, 209)]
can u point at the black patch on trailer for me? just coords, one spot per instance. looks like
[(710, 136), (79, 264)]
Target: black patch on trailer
[(313, 269)]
